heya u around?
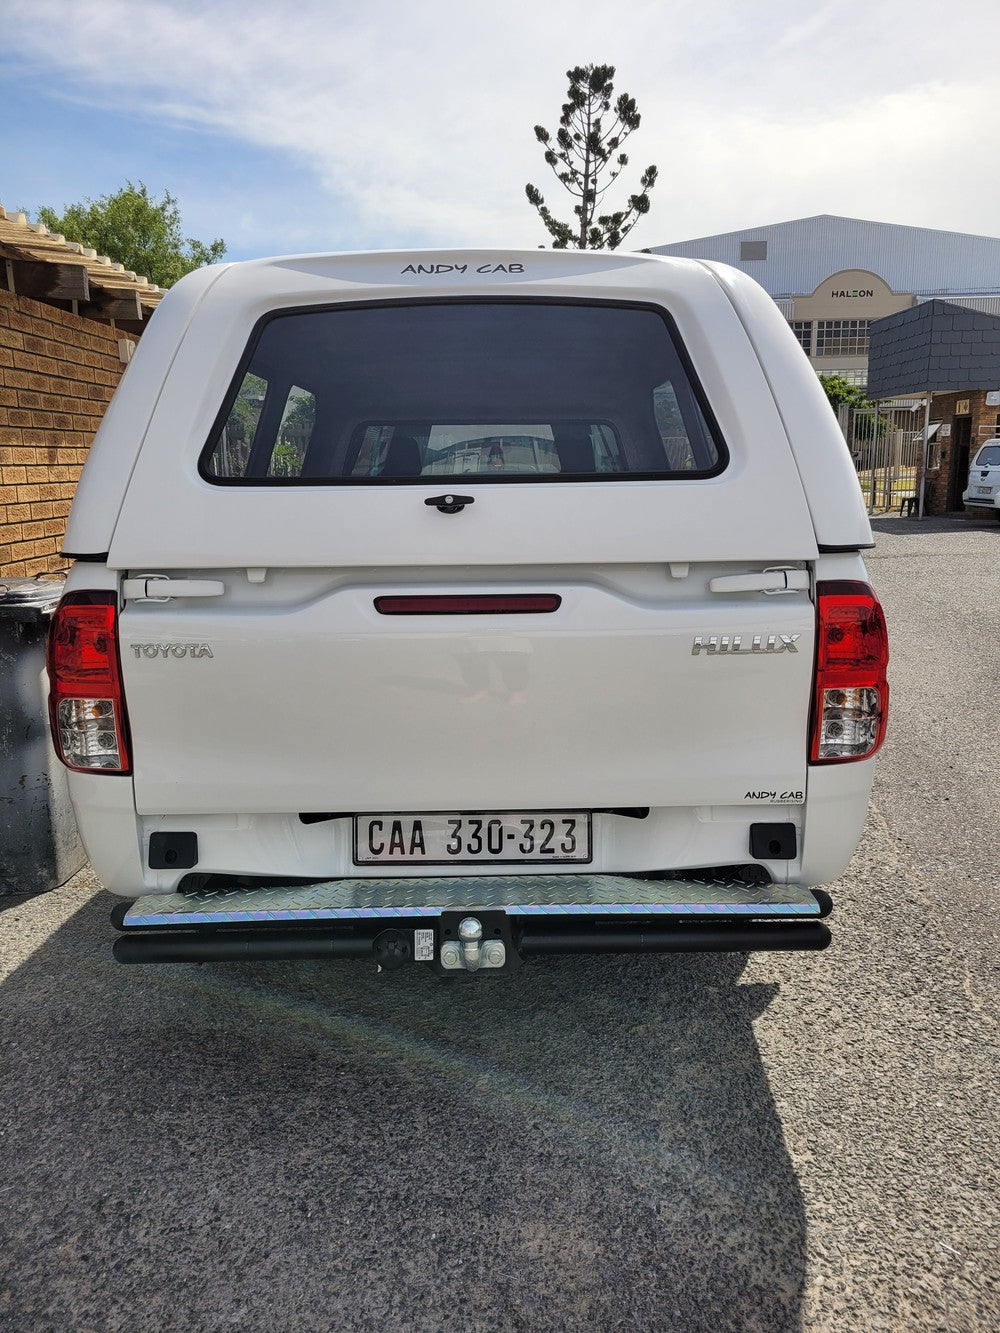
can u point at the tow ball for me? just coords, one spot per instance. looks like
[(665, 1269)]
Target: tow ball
[(469, 952)]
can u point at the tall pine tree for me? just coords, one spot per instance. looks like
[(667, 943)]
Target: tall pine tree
[(586, 160)]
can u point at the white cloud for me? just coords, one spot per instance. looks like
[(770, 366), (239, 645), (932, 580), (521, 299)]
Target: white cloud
[(888, 159), (415, 119)]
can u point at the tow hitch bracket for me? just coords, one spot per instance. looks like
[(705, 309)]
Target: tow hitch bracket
[(469, 951)]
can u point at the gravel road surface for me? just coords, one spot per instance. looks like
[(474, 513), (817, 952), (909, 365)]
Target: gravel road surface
[(686, 1142)]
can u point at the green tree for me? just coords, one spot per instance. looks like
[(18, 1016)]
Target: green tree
[(865, 424), (586, 160), (137, 230), (294, 434), (838, 390)]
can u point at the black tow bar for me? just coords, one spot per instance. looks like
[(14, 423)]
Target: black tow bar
[(718, 939), (211, 946), (394, 949)]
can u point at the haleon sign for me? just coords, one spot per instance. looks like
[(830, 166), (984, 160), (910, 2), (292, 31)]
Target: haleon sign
[(851, 293)]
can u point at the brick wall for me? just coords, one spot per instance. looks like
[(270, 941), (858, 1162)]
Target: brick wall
[(950, 477), (57, 375)]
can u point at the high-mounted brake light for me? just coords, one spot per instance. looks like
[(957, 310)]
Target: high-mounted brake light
[(86, 702), (851, 701), (462, 604)]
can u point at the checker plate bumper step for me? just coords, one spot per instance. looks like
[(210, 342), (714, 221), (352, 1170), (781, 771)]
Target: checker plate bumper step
[(346, 900), (394, 921)]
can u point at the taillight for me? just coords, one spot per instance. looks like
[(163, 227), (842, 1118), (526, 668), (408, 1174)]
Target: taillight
[(86, 703), (851, 702)]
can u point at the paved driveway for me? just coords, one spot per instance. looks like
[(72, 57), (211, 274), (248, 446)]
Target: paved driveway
[(688, 1142)]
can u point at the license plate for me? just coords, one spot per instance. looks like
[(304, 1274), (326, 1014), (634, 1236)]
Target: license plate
[(518, 837), (984, 490)]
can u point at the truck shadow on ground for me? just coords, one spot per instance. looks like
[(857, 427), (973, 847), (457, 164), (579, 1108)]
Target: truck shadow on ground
[(588, 1141)]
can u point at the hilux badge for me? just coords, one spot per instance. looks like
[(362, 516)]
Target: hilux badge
[(732, 644)]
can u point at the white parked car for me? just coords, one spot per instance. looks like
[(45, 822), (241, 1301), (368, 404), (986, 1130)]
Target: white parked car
[(983, 489), (467, 606)]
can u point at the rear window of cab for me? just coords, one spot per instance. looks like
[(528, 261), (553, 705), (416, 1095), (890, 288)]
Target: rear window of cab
[(496, 391)]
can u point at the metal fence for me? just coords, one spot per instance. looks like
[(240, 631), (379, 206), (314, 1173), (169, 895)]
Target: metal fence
[(886, 443)]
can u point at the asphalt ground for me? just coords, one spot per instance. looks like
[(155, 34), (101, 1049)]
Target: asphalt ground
[(687, 1142)]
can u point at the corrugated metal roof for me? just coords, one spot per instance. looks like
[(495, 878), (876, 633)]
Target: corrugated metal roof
[(801, 253), (989, 305)]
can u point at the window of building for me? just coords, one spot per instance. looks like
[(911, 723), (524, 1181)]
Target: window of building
[(803, 329), (842, 337), (933, 445), (753, 250), (858, 377)]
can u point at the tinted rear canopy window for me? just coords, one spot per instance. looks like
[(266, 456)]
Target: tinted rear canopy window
[(500, 391)]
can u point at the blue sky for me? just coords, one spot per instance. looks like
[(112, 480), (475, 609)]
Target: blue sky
[(335, 126)]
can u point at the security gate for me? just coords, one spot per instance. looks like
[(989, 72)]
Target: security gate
[(886, 443)]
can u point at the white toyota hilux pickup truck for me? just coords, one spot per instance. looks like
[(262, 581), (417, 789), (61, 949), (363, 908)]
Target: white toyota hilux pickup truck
[(460, 607)]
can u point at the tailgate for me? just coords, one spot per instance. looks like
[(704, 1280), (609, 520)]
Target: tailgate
[(300, 696)]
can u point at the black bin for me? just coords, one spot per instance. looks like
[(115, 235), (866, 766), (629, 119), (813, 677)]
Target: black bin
[(39, 844)]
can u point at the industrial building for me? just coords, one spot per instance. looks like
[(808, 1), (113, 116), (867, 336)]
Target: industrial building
[(831, 277), (848, 286)]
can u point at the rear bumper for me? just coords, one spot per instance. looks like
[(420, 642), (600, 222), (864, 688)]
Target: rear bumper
[(117, 840), (395, 921)]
